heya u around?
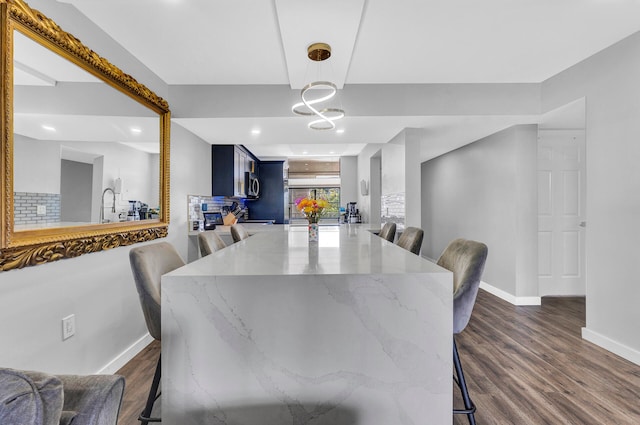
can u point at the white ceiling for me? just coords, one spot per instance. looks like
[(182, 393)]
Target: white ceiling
[(249, 42)]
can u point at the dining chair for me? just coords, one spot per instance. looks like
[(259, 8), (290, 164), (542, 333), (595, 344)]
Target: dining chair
[(466, 259), (239, 232), (388, 231), (209, 242), (148, 264), (411, 239)]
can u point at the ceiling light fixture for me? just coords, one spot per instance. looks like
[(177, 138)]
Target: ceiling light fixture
[(48, 127), (318, 52)]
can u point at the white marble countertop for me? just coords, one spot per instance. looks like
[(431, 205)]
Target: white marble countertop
[(285, 250), (274, 330)]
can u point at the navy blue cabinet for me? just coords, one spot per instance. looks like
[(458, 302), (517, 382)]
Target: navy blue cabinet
[(228, 166), (270, 205)]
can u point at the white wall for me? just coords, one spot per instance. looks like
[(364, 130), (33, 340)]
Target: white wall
[(487, 191), (98, 288), (190, 173), (610, 81), (43, 173), (137, 169), (134, 167), (349, 182), (393, 165), (412, 175), (372, 176)]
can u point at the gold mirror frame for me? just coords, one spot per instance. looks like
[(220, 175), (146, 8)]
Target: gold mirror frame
[(39, 246)]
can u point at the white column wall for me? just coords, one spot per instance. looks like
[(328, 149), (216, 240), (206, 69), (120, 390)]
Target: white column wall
[(610, 83), (412, 177), (487, 191), (365, 172), (349, 181)]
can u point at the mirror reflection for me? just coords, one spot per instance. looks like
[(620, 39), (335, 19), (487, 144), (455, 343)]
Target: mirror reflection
[(84, 153)]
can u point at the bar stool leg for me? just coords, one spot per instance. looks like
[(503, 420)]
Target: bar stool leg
[(145, 416), (469, 407)]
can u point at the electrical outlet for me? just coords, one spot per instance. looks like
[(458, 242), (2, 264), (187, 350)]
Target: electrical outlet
[(41, 210), (68, 326)]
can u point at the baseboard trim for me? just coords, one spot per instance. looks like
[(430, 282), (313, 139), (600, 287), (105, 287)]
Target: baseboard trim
[(114, 365), (512, 299), (611, 345)]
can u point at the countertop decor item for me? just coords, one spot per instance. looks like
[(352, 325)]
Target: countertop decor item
[(312, 210)]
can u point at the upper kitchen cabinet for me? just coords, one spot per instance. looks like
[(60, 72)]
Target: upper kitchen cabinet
[(229, 164)]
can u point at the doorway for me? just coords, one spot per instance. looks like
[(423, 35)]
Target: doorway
[(561, 202), (76, 181)]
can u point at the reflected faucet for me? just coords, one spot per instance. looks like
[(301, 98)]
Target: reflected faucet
[(113, 208)]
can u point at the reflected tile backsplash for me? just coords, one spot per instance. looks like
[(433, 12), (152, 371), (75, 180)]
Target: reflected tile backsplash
[(393, 208), (25, 208)]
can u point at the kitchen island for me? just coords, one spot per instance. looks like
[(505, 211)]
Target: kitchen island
[(275, 330)]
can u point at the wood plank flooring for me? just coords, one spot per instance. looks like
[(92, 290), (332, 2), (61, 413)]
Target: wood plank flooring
[(138, 374), (524, 365), (529, 365)]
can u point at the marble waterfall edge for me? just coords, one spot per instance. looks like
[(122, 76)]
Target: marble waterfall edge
[(307, 349)]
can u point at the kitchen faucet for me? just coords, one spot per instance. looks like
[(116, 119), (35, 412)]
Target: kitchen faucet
[(113, 208)]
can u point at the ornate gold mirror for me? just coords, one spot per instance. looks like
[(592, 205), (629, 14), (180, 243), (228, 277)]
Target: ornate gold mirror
[(85, 147)]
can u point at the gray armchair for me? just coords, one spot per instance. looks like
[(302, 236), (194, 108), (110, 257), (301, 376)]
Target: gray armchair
[(411, 239), (466, 259), (239, 232), (209, 242), (148, 264), (388, 231), (36, 398)]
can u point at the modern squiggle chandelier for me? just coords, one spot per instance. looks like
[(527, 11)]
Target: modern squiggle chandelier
[(326, 116)]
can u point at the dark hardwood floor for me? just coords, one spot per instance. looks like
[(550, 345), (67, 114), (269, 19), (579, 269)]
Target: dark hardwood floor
[(524, 365), (138, 374), (530, 365)]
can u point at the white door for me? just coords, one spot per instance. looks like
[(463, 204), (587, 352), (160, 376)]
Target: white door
[(561, 205)]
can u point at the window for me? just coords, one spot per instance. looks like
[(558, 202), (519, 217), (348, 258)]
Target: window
[(330, 194)]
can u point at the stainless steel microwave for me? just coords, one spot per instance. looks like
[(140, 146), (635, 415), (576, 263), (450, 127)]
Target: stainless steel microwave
[(252, 185)]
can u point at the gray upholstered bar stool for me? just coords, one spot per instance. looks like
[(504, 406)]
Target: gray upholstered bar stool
[(209, 241), (148, 264), (239, 232), (388, 231), (466, 260), (411, 239)]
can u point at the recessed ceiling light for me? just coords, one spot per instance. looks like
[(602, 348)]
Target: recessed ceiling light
[(340, 130), (136, 130), (255, 131), (49, 128), (304, 152), (331, 152)]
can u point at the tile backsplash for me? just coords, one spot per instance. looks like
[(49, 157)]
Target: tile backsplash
[(213, 204), (25, 208), (393, 208)]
